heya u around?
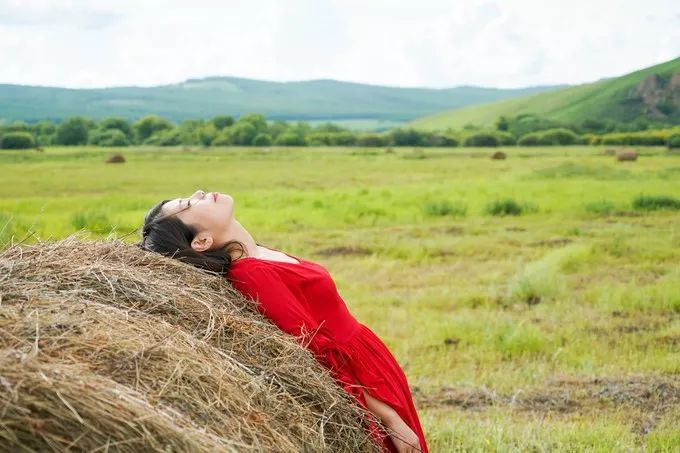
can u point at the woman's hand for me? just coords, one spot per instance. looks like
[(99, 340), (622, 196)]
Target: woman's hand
[(401, 434), (403, 437)]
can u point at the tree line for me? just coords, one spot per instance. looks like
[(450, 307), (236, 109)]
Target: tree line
[(254, 130)]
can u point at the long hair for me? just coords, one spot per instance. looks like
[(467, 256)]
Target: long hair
[(171, 237)]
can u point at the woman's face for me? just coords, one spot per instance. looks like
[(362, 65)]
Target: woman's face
[(212, 214)]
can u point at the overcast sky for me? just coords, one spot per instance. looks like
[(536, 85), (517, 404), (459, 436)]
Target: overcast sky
[(428, 43)]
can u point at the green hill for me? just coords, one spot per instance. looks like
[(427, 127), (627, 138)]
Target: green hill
[(203, 98), (653, 93)]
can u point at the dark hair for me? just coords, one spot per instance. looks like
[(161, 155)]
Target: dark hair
[(171, 237)]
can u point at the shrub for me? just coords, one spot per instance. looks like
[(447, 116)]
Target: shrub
[(343, 138), (530, 139), (262, 140), (508, 206), (223, 138), (505, 138), (525, 123), (560, 136), (482, 139), (43, 140), (643, 138), (18, 126), (442, 140), (408, 137), (372, 140), (591, 139), (108, 137), (550, 137), (73, 131), (673, 142), (655, 203), (242, 133), (116, 123), (445, 208), (149, 125), (169, 137), (290, 139), (17, 140), (222, 121), (258, 121)]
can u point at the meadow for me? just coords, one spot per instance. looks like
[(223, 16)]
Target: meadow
[(533, 302)]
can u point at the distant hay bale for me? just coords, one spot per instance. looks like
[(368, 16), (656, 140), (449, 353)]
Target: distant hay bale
[(39, 149), (115, 159), (499, 155), (610, 152), (389, 150), (626, 155), (105, 346)]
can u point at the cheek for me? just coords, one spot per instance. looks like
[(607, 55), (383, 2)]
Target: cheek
[(218, 217)]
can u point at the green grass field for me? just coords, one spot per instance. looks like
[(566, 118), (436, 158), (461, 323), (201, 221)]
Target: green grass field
[(557, 329)]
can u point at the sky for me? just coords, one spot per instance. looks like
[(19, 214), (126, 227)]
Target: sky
[(417, 43)]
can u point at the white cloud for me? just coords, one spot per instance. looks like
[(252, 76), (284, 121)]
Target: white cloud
[(438, 43)]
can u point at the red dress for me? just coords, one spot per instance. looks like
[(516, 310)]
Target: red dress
[(302, 300)]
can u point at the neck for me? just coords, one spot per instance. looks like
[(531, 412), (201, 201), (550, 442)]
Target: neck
[(239, 233)]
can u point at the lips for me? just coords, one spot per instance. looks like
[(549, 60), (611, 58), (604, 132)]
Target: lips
[(214, 194)]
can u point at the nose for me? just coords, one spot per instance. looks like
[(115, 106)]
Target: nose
[(200, 192)]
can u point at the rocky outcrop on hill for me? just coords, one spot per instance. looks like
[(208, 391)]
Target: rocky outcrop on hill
[(660, 95)]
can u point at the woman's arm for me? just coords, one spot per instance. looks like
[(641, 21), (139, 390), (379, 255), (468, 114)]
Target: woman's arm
[(381, 410), (403, 437)]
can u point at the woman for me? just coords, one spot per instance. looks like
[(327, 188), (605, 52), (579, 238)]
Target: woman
[(300, 297)]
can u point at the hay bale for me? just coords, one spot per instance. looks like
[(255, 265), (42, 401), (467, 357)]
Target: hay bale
[(626, 155), (115, 159), (103, 344), (389, 150), (499, 155), (610, 152)]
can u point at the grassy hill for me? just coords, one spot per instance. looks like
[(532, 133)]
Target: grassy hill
[(653, 92), (203, 98)]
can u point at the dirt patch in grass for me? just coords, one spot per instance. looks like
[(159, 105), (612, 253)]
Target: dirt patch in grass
[(448, 229), (344, 250), (438, 253), (621, 323), (669, 340), (556, 242), (471, 399), (648, 397)]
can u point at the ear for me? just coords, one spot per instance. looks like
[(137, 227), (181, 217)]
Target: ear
[(202, 241)]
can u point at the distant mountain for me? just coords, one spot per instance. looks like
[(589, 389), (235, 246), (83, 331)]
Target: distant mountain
[(204, 98), (652, 93)]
